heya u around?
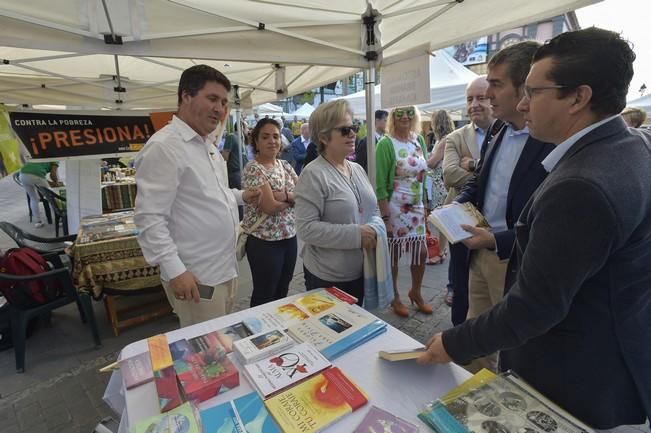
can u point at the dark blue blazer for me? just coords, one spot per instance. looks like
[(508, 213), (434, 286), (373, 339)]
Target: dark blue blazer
[(298, 152), (527, 175), (575, 322)]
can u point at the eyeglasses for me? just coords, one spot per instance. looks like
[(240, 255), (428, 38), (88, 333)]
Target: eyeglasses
[(529, 91), (344, 130), (400, 112)]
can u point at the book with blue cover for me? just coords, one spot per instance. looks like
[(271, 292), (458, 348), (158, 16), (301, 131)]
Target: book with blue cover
[(246, 414)]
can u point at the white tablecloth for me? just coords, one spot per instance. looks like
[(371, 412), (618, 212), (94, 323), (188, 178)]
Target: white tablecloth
[(401, 388)]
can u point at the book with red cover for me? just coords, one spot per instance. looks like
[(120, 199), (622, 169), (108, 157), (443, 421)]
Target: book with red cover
[(203, 369), (167, 389)]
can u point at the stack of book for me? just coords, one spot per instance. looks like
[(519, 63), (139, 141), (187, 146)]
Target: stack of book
[(103, 227), (118, 196), (498, 403)]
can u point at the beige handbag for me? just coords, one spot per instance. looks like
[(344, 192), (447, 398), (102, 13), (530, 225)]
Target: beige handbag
[(243, 235)]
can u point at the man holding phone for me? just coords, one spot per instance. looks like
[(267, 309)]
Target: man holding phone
[(185, 213)]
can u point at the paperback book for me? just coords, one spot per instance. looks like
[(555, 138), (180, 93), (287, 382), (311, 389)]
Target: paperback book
[(280, 371), (159, 352), (401, 354), (380, 421), (246, 414), (167, 389), (503, 403), (259, 346), (183, 419), (316, 403), (338, 330), (136, 370), (448, 219), (202, 367)]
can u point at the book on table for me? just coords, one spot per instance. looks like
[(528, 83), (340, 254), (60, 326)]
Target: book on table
[(338, 330), (167, 389), (498, 403), (259, 346), (136, 370), (314, 404), (448, 219), (402, 354), (183, 419), (280, 371), (246, 414), (202, 367), (381, 421), (283, 316)]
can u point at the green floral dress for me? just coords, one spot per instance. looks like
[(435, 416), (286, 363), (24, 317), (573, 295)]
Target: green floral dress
[(407, 211)]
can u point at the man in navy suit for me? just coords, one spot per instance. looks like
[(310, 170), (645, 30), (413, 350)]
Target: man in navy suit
[(299, 147), (575, 320), (509, 172)]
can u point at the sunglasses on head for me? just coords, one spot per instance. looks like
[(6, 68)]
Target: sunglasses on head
[(401, 112), (344, 130)]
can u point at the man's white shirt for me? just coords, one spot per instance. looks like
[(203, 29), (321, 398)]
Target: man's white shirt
[(186, 216)]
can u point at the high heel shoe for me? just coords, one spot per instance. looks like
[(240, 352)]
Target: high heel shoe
[(399, 308), (420, 303)]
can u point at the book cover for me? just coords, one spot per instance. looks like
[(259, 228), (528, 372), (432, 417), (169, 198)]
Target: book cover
[(341, 295), (316, 403), (233, 333), (159, 352), (380, 421), (167, 389), (338, 329), (136, 370), (221, 419), (316, 303), (212, 342), (286, 368), (253, 415), (260, 345), (276, 318), (204, 371), (500, 404), (448, 219), (183, 419)]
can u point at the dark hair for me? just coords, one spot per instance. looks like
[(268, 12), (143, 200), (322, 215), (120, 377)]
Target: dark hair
[(595, 57), (518, 58), (255, 133), (381, 114), (194, 78)]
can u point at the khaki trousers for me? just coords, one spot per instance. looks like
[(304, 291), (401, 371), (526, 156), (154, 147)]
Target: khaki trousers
[(485, 289), (191, 312)]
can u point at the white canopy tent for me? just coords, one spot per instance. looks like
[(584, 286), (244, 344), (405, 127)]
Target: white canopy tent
[(448, 80), (642, 102), (303, 111), (129, 53), (268, 109)]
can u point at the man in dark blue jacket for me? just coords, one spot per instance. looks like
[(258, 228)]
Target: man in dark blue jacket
[(299, 147), (575, 320)]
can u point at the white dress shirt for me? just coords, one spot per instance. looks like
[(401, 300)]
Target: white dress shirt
[(501, 171), (186, 216), (555, 155)]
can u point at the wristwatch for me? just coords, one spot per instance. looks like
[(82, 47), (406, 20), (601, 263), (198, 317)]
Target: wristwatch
[(472, 164)]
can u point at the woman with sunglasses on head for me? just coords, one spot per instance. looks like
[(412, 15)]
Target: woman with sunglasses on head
[(401, 163), (334, 203), (271, 246)]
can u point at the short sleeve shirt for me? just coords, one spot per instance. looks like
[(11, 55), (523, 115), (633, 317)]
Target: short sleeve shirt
[(280, 177)]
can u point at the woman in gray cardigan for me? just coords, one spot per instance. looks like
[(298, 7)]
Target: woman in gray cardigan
[(334, 202)]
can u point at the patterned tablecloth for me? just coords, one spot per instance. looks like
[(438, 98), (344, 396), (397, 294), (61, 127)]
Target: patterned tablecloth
[(115, 263)]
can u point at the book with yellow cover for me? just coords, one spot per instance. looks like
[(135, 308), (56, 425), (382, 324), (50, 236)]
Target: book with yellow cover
[(448, 219), (314, 404), (159, 351)]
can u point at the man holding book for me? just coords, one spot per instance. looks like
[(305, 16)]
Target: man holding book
[(507, 176), (574, 323), (185, 213)]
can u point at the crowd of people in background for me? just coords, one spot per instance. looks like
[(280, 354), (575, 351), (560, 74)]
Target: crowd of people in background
[(557, 289)]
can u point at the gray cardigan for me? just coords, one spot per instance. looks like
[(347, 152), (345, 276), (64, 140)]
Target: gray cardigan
[(328, 220)]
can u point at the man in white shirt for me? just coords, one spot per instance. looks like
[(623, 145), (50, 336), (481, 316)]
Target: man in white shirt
[(185, 213)]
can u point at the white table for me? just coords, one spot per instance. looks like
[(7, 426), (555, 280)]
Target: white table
[(402, 388)]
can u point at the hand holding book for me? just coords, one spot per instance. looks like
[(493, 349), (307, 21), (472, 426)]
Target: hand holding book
[(451, 218)]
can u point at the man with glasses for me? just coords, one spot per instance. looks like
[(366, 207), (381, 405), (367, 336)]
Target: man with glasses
[(574, 324), (507, 175)]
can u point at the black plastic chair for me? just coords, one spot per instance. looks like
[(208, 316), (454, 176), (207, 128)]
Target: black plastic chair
[(20, 318), (40, 244), (46, 206), (58, 205)]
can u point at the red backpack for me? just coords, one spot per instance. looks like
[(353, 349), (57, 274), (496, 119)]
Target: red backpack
[(23, 262)]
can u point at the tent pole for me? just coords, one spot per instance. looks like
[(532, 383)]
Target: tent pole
[(238, 126), (369, 85)]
